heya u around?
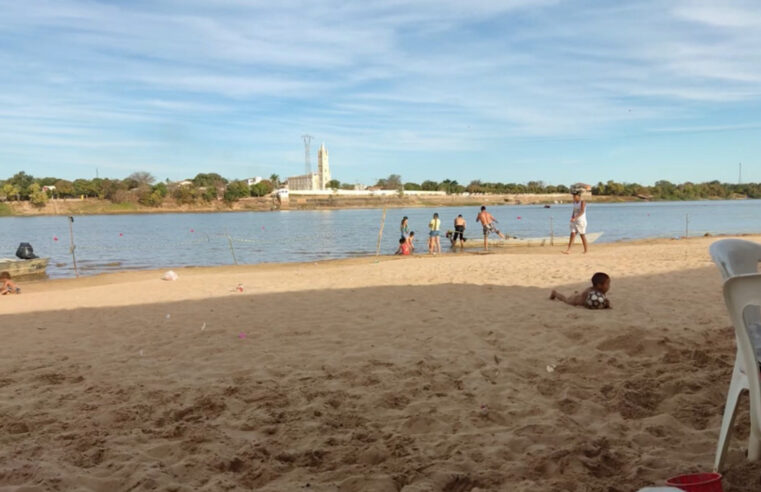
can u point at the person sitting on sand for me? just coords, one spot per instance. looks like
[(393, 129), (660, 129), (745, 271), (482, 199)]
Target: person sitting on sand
[(592, 297), (487, 220), (404, 247), (8, 286)]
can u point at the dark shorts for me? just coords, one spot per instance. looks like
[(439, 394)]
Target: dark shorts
[(459, 232)]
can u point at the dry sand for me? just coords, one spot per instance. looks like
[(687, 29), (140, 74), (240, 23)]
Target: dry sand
[(413, 374)]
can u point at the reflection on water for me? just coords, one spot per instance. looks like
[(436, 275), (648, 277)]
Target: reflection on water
[(118, 242)]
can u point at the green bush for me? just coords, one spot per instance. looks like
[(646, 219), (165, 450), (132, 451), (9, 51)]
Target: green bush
[(37, 197), (262, 188), (429, 185), (161, 189), (185, 195), (150, 198), (210, 194), (236, 190)]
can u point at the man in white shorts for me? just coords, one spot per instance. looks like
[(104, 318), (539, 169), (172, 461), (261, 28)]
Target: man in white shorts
[(578, 221)]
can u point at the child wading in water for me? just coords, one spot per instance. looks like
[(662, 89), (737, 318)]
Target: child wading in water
[(591, 297), (7, 286), (404, 247)]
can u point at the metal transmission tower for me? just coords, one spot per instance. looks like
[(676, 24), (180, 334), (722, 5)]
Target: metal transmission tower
[(307, 163)]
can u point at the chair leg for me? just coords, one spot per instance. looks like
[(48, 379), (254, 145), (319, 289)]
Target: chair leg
[(727, 421), (754, 445)]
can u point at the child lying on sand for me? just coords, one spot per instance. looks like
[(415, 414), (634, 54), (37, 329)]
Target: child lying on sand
[(591, 297), (7, 286)]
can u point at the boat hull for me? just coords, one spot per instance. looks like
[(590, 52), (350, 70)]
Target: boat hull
[(24, 268), (476, 243)]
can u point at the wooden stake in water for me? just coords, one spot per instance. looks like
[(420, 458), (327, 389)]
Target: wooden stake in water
[(380, 232), (552, 233), (686, 225), (232, 251), (72, 247)]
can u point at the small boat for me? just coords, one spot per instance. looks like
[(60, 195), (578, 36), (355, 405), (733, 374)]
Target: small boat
[(475, 243), (24, 268)]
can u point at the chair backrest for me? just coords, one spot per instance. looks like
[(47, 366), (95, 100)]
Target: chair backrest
[(735, 257), (740, 294)]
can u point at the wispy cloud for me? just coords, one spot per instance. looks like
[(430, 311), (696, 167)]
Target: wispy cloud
[(386, 78)]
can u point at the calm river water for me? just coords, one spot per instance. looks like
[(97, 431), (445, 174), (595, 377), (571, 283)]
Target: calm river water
[(117, 242)]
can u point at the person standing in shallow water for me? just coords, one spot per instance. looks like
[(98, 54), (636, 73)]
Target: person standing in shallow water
[(405, 229), (459, 231), (487, 220), (434, 226), (578, 222)]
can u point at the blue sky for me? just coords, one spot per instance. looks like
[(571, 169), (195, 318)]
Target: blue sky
[(511, 90)]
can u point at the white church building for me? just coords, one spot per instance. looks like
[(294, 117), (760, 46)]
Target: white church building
[(313, 181)]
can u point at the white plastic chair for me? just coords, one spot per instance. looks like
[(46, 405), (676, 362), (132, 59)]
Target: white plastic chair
[(743, 295), (737, 257)]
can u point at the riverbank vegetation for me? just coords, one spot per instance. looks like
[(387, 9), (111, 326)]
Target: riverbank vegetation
[(139, 188), (661, 190), (142, 190)]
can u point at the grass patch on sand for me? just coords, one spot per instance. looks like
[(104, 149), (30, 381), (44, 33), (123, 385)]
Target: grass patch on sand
[(5, 210), (101, 207)]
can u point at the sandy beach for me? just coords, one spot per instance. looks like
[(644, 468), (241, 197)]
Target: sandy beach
[(403, 374)]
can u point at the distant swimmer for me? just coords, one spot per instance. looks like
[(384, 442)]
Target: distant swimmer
[(487, 220), (578, 221)]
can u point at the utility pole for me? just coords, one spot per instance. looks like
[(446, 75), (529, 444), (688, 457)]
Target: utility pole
[(307, 163)]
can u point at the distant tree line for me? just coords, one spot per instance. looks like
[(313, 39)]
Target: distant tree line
[(142, 188), (139, 187), (661, 190), (665, 190)]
